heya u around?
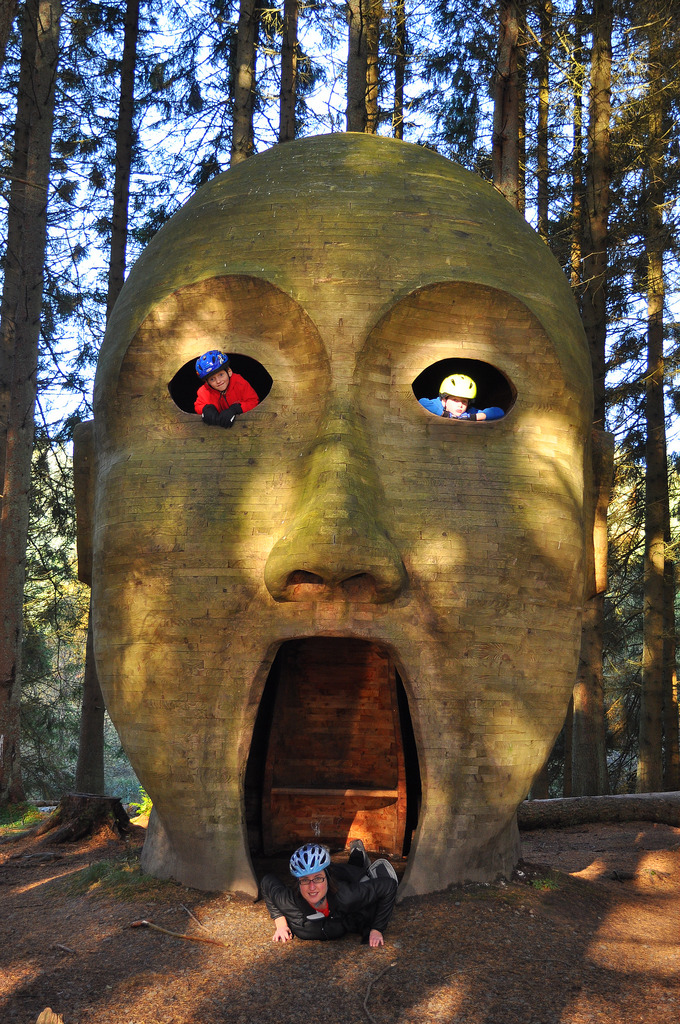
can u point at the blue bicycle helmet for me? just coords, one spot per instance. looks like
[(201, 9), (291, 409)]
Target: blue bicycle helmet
[(308, 859), (211, 362)]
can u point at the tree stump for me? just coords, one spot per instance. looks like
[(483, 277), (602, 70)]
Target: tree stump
[(82, 814)]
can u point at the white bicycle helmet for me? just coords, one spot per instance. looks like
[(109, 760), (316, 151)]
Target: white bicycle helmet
[(308, 859)]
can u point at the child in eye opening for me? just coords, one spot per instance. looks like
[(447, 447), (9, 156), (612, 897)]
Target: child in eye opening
[(223, 394), (455, 394), (329, 900)]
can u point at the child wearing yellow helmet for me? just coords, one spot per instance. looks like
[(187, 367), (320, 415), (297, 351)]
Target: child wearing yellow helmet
[(456, 392)]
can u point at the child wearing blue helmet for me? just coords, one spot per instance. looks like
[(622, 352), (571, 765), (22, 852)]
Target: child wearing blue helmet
[(329, 900), (223, 394)]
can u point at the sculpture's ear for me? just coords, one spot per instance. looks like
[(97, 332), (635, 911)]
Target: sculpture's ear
[(597, 502), (83, 486)]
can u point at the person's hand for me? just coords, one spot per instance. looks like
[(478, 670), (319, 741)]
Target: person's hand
[(375, 938), (210, 415), (227, 416), (282, 932)]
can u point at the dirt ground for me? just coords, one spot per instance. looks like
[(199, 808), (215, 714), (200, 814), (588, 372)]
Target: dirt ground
[(588, 931)]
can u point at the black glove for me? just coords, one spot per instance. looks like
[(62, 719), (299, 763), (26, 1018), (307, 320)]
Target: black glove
[(227, 416), (210, 415)]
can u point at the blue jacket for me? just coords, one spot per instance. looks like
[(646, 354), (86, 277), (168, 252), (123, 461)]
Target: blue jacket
[(436, 406)]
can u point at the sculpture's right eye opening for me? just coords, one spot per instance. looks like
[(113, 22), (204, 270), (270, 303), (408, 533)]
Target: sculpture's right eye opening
[(493, 387), (184, 385)]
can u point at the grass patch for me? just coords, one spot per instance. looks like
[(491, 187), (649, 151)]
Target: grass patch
[(122, 879), (547, 884), (18, 817)]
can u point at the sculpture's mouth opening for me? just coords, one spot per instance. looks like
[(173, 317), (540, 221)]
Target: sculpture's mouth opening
[(333, 755)]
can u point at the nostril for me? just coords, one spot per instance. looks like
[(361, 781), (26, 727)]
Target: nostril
[(360, 585), (302, 576)]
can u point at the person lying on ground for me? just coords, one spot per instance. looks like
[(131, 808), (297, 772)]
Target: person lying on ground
[(326, 901)]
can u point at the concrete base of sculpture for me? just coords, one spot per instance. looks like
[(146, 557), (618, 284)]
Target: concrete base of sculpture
[(200, 863)]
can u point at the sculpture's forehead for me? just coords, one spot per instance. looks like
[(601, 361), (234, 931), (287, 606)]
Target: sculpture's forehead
[(347, 225)]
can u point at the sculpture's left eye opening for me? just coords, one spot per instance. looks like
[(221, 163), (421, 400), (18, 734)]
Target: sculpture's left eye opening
[(184, 385), (479, 384)]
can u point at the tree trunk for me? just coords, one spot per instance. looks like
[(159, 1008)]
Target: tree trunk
[(577, 78), (373, 16), (540, 789), (90, 766), (521, 108), (671, 768), (650, 759), (598, 176), (589, 772), (289, 45), (505, 143), (20, 332), (243, 136), (661, 807), (8, 10), (121, 186), (399, 70), (568, 743), (543, 68), (357, 61), (589, 765)]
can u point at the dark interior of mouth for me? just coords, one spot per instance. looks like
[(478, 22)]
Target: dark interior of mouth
[(333, 755)]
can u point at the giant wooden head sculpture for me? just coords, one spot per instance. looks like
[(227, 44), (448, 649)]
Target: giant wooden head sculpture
[(268, 597)]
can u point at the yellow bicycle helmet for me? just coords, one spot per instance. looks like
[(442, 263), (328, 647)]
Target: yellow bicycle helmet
[(457, 385)]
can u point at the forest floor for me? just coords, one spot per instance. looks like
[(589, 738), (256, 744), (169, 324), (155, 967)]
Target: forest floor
[(588, 932)]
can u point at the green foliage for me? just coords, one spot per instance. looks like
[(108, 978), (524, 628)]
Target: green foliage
[(143, 805), (547, 884), (18, 817)]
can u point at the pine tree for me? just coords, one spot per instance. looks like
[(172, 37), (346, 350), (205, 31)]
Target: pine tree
[(243, 138), (506, 124), (357, 64), (8, 10), (289, 54), (589, 769), (19, 331), (650, 763)]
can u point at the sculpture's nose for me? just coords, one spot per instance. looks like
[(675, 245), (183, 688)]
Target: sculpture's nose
[(335, 545)]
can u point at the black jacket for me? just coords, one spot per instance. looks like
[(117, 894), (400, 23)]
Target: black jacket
[(356, 906)]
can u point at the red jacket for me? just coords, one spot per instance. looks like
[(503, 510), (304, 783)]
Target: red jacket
[(239, 390)]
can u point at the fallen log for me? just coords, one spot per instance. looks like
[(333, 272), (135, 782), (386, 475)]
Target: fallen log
[(81, 814), (663, 808)]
